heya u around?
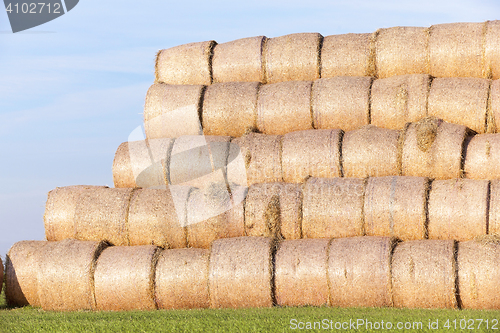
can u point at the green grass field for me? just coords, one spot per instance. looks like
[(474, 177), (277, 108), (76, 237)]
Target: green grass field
[(247, 320)]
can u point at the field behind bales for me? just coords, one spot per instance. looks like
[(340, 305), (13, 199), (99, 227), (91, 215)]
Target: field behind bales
[(286, 319)]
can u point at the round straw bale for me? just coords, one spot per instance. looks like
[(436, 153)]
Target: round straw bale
[(262, 155), (60, 209), (284, 107), (153, 219), (359, 271), (433, 148), (341, 102), (230, 108), (293, 57), (66, 274), (185, 64), (347, 54), (301, 272), (102, 214), (495, 106), (124, 278), (479, 273), (402, 50), (458, 209), (494, 208), (462, 101), (482, 157), (371, 152), (181, 280), (240, 60), (211, 214), (333, 208), (291, 211), (21, 273), (396, 206), (456, 50), (424, 274), (313, 153), (167, 106), (241, 273), (398, 100), (194, 160), (262, 210), (492, 49)]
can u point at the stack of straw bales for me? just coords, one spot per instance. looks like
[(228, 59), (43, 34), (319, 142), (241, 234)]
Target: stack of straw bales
[(291, 171)]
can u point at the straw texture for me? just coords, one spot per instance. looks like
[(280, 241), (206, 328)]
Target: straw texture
[(482, 157), (433, 148), (60, 210), (371, 152), (102, 214), (359, 271), (462, 101), (341, 102), (240, 273), (66, 274), (185, 64), (402, 50), (262, 155), (458, 209), (167, 106), (456, 50), (478, 274), (313, 153), (284, 107), (494, 208), (300, 273), (212, 214), (291, 198), (398, 100), (292, 57), (21, 273), (495, 105), (230, 108), (240, 60), (262, 210), (347, 54), (424, 274), (492, 49), (396, 206), (333, 208), (124, 278), (153, 218), (181, 280)]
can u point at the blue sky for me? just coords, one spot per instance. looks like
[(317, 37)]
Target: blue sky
[(73, 89)]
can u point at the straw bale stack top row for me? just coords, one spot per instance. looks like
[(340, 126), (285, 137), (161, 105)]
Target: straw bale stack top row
[(443, 50)]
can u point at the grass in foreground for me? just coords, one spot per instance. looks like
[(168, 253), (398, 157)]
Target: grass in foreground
[(246, 320)]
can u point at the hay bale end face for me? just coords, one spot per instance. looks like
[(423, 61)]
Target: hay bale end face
[(347, 54), (479, 273), (458, 209), (402, 50), (396, 206), (240, 60), (482, 157), (181, 280), (371, 152), (66, 274), (167, 106), (312, 153), (301, 272), (333, 208), (21, 273), (292, 57), (284, 107), (398, 100), (230, 108), (456, 50), (185, 64), (341, 102), (424, 274), (240, 273), (124, 278), (359, 271)]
